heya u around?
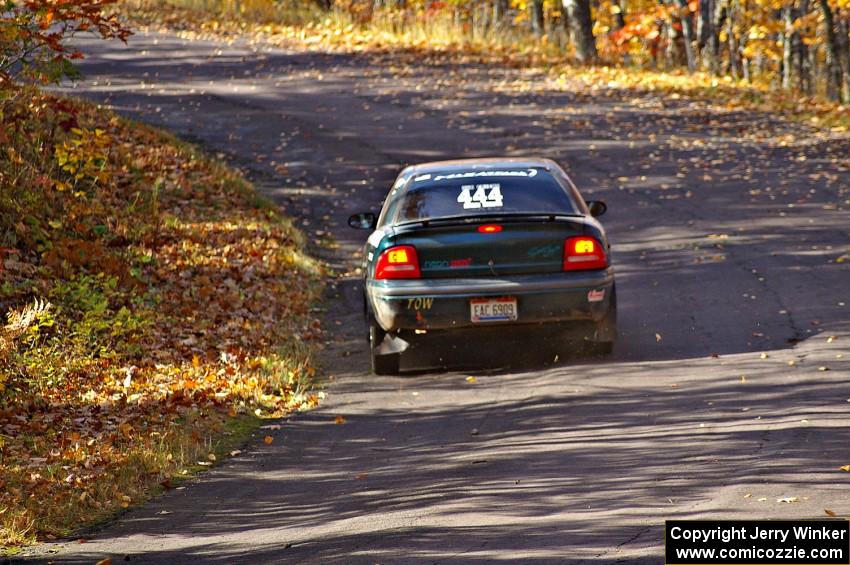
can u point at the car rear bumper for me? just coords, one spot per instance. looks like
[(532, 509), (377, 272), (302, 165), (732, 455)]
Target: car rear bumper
[(440, 304)]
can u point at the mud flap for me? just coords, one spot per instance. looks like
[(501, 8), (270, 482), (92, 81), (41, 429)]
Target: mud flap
[(391, 344)]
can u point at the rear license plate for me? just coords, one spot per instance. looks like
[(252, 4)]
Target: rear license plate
[(493, 310)]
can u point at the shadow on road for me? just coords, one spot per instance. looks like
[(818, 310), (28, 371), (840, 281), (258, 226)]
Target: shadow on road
[(569, 467)]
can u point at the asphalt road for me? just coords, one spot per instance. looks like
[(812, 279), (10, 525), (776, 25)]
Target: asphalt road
[(726, 225)]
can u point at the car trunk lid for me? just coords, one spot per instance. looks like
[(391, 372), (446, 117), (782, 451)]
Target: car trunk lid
[(492, 249)]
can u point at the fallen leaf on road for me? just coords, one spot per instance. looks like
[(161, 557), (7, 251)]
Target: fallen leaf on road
[(235, 452), (339, 420), (829, 512), (845, 468), (471, 379), (106, 561), (361, 476), (743, 378), (268, 440), (762, 499), (788, 499), (657, 337), (823, 368)]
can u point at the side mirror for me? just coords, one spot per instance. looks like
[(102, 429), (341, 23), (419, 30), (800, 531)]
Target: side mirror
[(364, 221), (596, 207)]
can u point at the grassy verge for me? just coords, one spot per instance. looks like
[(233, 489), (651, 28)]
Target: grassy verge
[(153, 304), (441, 40)]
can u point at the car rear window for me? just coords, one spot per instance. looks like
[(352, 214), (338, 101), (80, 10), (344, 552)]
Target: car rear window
[(481, 193)]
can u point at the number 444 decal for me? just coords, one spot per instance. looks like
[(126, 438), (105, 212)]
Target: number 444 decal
[(474, 196)]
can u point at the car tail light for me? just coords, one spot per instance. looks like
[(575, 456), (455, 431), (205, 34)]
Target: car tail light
[(489, 228), (584, 253), (400, 262)]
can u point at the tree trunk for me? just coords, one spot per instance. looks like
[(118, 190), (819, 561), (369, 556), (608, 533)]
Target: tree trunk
[(718, 19), (733, 41), (565, 29), (833, 61), (704, 23), (744, 61), (844, 56), (803, 56), (687, 33), (620, 15), (789, 38), (581, 29), (671, 53), (500, 9), (538, 25)]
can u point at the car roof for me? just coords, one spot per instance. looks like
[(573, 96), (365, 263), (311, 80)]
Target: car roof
[(493, 163)]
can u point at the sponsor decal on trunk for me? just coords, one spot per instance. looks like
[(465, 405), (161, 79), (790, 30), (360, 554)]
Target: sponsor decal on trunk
[(545, 251), (453, 264), (419, 303), (596, 295)]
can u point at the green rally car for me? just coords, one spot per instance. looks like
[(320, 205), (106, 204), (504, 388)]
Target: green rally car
[(460, 246)]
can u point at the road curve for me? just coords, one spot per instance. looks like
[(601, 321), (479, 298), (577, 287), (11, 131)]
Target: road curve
[(726, 227)]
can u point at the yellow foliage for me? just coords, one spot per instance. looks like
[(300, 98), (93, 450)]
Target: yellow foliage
[(86, 155)]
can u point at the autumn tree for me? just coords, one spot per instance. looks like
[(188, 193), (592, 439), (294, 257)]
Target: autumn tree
[(792, 45), (34, 35)]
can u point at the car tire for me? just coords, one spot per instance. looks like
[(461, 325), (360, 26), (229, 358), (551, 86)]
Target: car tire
[(381, 364)]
